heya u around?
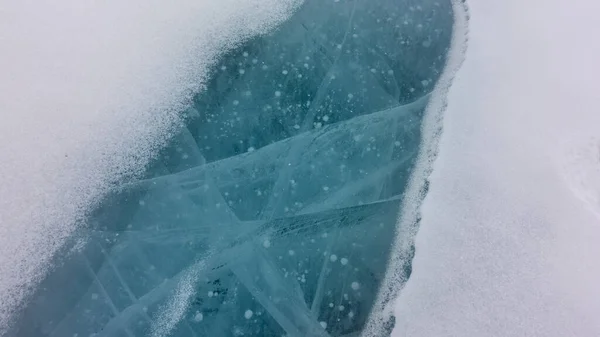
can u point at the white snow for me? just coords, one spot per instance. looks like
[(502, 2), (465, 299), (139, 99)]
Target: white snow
[(89, 91), (173, 311), (509, 241)]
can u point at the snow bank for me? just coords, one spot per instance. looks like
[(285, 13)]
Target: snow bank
[(381, 316), (89, 91), (508, 243)]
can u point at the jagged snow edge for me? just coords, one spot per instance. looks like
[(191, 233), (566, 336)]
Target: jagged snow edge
[(407, 226)]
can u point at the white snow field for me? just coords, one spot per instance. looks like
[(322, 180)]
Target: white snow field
[(89, 91), (509, 241)]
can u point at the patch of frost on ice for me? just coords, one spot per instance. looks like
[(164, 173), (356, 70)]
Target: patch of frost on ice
[(173, 312)]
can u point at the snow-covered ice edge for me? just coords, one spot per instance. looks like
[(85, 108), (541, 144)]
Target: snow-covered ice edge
[(89, 92), (508, 242), (381, 317)]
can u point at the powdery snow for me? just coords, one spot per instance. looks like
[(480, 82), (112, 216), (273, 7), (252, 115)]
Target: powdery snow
[(509, 241), (89, 91)]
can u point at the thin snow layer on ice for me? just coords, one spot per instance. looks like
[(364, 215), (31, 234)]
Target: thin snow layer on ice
[(89, 91), (176, 307), (508, 241)]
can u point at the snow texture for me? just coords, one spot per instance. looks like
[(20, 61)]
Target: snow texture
[(272, 209), (89, 92), (508, 240)]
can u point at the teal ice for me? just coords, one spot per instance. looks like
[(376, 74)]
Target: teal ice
[(273, 210)]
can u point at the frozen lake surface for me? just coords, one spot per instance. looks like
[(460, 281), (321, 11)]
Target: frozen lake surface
[(273, 207), (299, 168)]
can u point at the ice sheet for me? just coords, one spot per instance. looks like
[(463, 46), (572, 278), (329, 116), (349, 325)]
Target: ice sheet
[(508, 240), (272, 209), (89, 91)]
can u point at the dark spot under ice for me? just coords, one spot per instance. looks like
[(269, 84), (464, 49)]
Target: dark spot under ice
[(278, 200)]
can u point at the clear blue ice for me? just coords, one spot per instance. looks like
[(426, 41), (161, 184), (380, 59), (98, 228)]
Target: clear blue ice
[(279, 197)]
